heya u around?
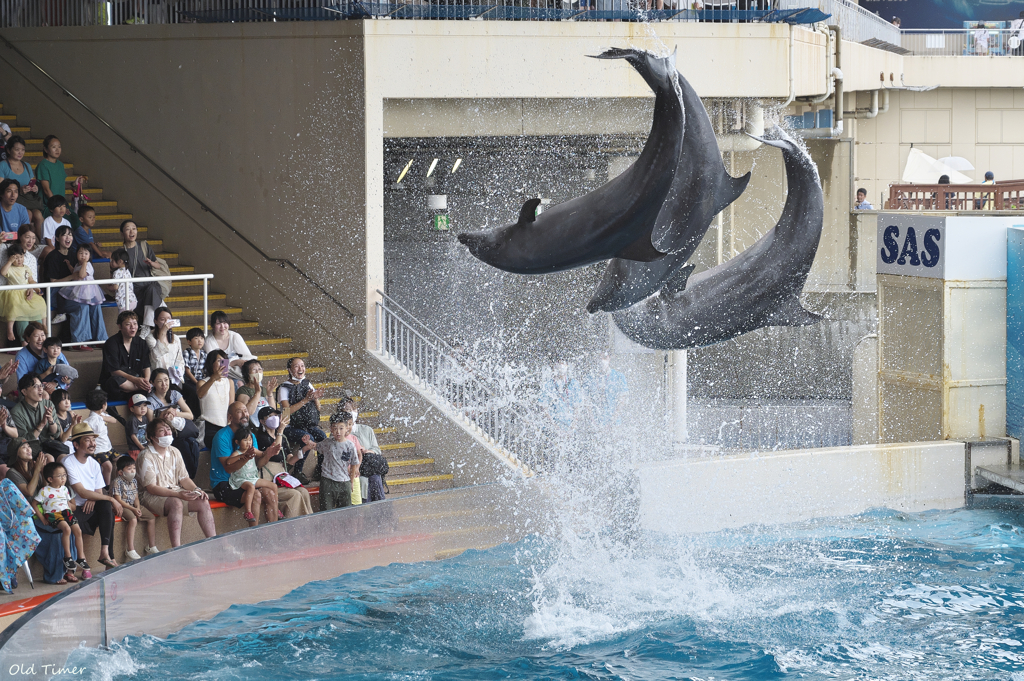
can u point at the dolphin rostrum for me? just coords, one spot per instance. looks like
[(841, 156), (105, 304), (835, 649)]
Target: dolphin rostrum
[(615, 220), (757, 288), (700, 190)]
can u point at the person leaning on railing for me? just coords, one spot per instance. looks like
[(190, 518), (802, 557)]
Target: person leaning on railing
[(86, 319)]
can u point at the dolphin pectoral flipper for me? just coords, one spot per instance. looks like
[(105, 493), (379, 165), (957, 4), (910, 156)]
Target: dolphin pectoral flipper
[(528, 213), (642, 249), (791, 313)]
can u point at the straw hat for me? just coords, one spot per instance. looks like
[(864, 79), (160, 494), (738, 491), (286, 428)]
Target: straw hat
[(81, 430)]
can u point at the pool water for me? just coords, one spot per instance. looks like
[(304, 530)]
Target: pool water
[(883, 595)]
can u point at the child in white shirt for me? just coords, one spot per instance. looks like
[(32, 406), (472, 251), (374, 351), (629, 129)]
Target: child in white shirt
[(58, 206), (56, 509), (124, 293), (98, 418)]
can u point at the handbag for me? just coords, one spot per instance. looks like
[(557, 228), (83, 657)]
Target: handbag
[(287, 481), (161, 269)]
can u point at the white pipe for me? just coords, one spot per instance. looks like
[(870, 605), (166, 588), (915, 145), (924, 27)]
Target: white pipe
[(792, 68), (829, 89), (873, 111)]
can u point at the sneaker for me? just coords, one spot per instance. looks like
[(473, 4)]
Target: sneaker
[(132, 555), (150, 550), (59, 318)]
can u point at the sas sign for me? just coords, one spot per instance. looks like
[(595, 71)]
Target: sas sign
[(911, 245)]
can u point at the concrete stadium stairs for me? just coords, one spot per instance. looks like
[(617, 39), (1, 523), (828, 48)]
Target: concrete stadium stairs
[(409, 471)]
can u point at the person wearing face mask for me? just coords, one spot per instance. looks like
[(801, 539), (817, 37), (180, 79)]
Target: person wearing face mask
[(372, 486), (291, 502), (252, 394), (166, 488), (607, 388)]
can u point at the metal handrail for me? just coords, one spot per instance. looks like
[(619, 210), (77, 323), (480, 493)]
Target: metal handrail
[(282, 262), (50, 285)]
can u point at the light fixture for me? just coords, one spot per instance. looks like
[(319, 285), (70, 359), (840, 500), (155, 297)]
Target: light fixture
[(455, 167), (433, 164), (404, 171)]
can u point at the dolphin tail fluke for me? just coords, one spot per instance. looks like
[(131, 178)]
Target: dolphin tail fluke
[(792, 313), (528, 213), (730, 190)]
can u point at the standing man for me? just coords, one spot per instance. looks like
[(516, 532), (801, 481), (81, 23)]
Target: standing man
[(862, 200), (93, 509), (125, 360)]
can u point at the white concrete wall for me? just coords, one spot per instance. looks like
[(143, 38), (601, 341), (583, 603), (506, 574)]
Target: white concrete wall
[(704, 495)]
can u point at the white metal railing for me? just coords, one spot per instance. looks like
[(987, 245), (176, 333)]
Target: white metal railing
[(469, 393), (857, 23), (964, 42), (48, 288)]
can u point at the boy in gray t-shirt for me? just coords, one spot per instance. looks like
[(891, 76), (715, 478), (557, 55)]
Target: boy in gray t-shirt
[(339, 463)]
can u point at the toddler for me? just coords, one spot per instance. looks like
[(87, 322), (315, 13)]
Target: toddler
[(98, 418), (138, 420), (195, 361), (19, 305), (124, 294), (47, 367), (58, 206), (338, 464), (56, 509), (63, 416), (126, 490), (247, 478)]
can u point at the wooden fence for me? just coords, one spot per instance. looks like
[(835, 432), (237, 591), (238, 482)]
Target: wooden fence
[(1007, 195)]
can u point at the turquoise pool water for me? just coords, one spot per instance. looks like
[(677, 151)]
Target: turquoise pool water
[(882, 595)]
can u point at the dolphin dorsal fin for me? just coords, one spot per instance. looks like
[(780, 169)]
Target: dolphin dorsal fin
[(528, 213), (677, 284)]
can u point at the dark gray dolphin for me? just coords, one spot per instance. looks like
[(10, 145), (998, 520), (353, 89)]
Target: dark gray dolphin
[(700, 190), (757, 288), (615, 220)]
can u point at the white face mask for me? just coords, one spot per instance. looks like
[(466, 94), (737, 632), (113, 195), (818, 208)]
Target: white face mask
[(165, 441), (355, 416), (127, 476), (259, 376), (273, 421)]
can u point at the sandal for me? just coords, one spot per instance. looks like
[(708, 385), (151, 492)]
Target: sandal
[(70, 577), (107, 561), (249, 518)]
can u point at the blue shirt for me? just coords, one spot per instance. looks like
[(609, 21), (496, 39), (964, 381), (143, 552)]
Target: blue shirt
[(16, 217), (81, 237), (26, 174), (222, 449), (44, 364), (26, 360)]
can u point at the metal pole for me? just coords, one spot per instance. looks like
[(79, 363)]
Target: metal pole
[(206, 306), (49, 312)]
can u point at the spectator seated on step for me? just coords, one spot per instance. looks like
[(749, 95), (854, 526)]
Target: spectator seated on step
[(224, 461), (94, 509), (126, 365), (16, 168), (27, 240), (167, 403), (35, 416), (167, 488), (252, 394), (27, 358), (54, 366), (373, 487), (80, 303), (302, 401), (12, 214), (83, 232), (195, 363), (223, 338), (291, 501), (165, 347), (58, 206), (216, 393)]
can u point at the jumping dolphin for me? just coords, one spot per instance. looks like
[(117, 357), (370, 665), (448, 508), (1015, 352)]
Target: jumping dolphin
[(757, 288), (700, 190), (615, 220)]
